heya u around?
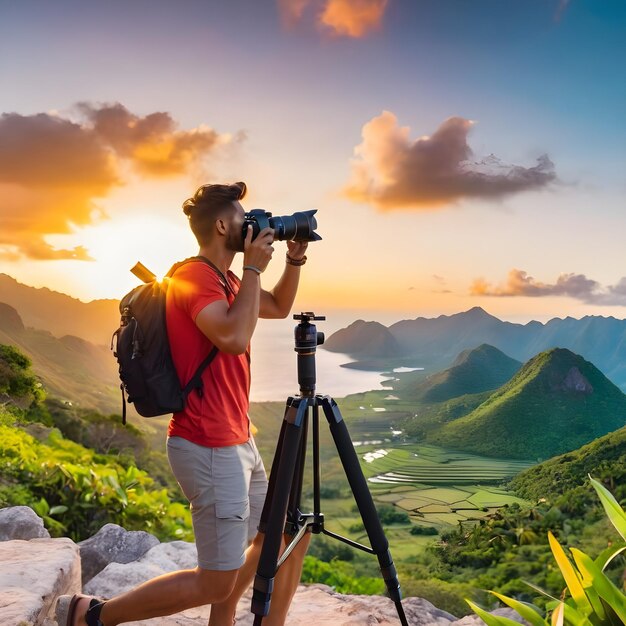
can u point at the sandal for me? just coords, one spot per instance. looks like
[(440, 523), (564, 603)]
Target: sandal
[(65, 611)]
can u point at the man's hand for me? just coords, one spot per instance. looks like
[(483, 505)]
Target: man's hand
[(296, 249), (258, 253)]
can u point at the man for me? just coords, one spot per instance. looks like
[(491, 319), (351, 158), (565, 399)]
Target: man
[(210, 448)]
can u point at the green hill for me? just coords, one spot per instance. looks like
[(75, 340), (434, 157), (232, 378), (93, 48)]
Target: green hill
[(604, 459), (481, 369), (556, 403)]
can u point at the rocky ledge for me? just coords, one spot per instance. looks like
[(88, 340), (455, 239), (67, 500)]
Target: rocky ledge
[(35, 570)]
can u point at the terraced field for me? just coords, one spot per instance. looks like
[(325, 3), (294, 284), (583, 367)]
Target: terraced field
[(436, 486)]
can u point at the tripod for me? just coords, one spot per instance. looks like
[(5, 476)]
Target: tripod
[(286, 477)]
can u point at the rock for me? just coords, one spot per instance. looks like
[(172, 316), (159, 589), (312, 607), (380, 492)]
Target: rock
[(113, 544), (575, 381), (32, 575), (21, 522), (117, 578), (330, 608)]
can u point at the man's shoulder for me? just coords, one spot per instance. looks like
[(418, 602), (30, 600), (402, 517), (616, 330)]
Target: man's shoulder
[(195, 268)]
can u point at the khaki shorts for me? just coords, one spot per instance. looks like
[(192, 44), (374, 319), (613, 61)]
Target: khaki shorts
[(226, 489)]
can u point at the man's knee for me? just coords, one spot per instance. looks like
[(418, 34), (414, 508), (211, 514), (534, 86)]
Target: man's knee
[(214, 584)]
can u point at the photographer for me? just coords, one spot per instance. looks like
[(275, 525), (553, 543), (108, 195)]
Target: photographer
[(210, 448)]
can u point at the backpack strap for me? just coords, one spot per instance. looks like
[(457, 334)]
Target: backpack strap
[(196, 379)]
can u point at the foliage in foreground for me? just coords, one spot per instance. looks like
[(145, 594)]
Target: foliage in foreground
[(590, 597), (75, 489)]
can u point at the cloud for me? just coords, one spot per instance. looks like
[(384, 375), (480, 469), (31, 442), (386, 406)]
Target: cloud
[(392, 171), (152, 143), (353, 18), (54, 169), (577, 286), (442, 284), (341, 18)]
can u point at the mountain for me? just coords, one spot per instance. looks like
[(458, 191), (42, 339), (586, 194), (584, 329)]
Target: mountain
[(60, 314), (72, 369), (435, 342), (364, 339), (557, 402), (604, 459), (482, 369)]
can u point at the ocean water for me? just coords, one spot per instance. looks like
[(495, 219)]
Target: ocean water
[(274, 360)]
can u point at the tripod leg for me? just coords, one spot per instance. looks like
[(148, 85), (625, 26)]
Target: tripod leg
[(363, 498), (275, 508)]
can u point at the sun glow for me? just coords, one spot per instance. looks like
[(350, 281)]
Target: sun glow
[(118, 244)]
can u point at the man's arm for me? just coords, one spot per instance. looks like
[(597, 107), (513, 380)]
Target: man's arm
[(230, 328), (277, 303)]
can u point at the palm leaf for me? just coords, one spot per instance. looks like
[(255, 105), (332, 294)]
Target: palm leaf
[(557, 616), (601, 584), (528, 612), (488, 618), (570, 575), (606, 556), (613, 510)]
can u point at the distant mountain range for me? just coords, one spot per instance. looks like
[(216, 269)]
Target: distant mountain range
[(73, 369), (61, 314), (555, 403), (434, 343)]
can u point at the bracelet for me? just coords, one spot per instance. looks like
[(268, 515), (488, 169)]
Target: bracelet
[(253, 268), (296, 262)]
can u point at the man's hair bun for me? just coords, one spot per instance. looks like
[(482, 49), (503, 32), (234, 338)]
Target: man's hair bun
[(214, 195)]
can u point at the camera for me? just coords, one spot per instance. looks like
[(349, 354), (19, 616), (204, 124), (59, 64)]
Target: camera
[(297, 227)]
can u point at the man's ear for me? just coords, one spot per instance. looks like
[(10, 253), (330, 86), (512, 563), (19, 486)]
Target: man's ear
[(220, 226)]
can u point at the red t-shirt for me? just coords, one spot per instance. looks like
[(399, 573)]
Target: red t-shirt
[(220, 416)]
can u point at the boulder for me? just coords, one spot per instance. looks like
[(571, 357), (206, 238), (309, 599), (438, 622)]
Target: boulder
[(21, 522), (32, 574), (117, 578), (113, 544)]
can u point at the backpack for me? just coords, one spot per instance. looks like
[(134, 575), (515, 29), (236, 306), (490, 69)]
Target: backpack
[(142, 349)]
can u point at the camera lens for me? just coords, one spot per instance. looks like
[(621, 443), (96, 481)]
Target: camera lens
[(297, 227)]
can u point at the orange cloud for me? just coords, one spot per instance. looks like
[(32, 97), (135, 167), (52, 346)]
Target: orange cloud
[(578, 286), (53, 170), (353, 18), (152, 143), (343, 18), (392, 171)]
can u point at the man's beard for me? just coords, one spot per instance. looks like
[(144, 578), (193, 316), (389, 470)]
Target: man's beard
[(234, 240)]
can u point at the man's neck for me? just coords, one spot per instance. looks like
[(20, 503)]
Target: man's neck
[(219, 256)]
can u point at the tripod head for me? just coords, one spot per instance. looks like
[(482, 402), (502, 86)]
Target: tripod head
[(307, 338)]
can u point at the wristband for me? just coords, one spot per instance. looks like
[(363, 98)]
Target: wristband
[(253, 268), (297, 262)]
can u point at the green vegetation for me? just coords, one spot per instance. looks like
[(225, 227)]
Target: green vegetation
[(453, 526), (74, 488), (593, 598), (557, 402)]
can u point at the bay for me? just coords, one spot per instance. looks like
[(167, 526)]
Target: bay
[(274, 360)]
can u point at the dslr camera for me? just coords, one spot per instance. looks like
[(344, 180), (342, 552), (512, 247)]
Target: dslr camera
[(297, 227)]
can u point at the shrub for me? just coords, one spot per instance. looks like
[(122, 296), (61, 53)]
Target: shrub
[(593, 598)]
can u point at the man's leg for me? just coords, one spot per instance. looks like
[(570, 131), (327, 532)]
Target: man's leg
[(164, 595), (286, 583)]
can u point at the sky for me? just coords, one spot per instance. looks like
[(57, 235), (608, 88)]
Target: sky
[(459, 153)]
